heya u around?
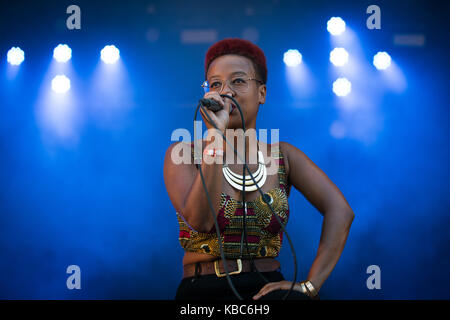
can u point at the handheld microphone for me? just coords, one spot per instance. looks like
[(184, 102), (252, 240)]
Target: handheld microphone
[(210, 104)]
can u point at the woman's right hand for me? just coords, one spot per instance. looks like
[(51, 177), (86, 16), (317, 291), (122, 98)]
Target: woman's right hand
[(221, 117)]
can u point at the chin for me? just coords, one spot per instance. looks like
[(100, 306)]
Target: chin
[(234, 126)]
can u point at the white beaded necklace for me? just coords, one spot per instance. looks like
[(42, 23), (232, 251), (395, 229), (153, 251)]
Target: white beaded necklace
[(237, 180)]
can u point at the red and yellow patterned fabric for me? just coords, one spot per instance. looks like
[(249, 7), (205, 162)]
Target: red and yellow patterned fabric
[(264, 233)]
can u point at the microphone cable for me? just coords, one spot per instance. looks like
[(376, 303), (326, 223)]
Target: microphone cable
[(222, 254)]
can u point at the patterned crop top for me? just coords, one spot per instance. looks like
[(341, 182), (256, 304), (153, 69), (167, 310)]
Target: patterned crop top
[(264, 233)]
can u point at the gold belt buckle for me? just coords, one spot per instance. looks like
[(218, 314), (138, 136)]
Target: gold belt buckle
[(216, 268)]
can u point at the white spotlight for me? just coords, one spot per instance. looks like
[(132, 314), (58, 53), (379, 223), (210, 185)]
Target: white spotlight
[(342, 87), (60, 84), (339, 57), (110, 54), (292, 58), (15, 56), (382, 60), (336, 26), (62, 53)]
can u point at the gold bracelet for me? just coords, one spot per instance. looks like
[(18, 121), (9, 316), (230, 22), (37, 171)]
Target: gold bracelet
[(302, 285), (311, 288), (308, 289)]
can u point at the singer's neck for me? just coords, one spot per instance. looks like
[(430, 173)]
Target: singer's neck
[(237, 142)]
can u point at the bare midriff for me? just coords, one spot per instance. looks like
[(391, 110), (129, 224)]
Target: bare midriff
[(194, 257)]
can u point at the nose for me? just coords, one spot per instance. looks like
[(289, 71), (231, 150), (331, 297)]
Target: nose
[(226, 89)]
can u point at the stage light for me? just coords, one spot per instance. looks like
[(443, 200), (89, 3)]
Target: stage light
[(382, 60), (292, 58), (339, 57), (15, 56), (60, 84), (336, 26), (110, 54), (342, 87), (62, 53)]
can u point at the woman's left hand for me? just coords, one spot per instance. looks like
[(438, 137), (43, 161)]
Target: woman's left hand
[(272, 286)]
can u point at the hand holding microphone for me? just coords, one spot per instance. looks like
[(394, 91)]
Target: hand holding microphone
[(217, 109)]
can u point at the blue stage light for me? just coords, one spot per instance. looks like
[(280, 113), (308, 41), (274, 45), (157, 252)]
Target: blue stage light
[(60, 84), (62, 53), (110, 54), (336, 26), (15, 56), (292, 58), (339, 57), (382, 60), (342, 87)]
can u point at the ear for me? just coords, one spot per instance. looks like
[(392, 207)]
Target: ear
[(262, 89)]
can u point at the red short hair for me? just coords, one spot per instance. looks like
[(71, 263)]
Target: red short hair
[(240, 47)]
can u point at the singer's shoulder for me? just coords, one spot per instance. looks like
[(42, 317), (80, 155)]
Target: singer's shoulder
[(183, 148), (280, 146), (186, 144), (294, 157)]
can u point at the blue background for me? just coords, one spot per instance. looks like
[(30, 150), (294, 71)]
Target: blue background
[(87, 188)]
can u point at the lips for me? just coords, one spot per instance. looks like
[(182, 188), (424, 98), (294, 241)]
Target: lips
[(232, 108)]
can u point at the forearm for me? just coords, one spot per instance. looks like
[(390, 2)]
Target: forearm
[(335, 229), (197, 210)]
